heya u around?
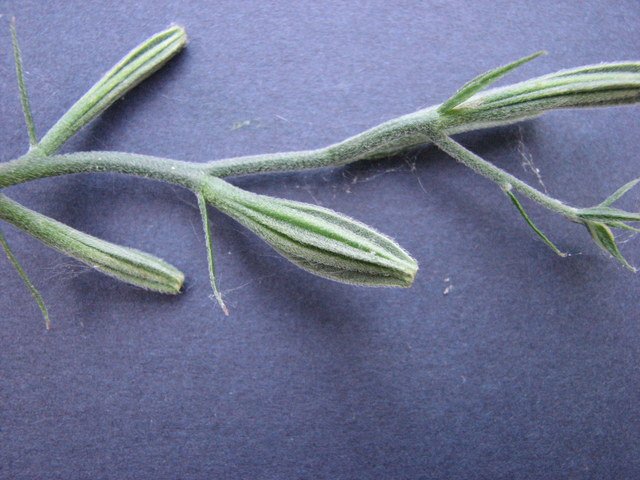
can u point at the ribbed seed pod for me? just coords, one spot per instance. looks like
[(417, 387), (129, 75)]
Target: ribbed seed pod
[(137, 65), (599, 85), (125, 264), (317, 239)]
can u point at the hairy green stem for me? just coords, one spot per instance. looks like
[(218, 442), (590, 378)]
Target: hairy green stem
[(382, 140), (385, 139), (316, 239), (28, 168), (419, 128), (499, 176)]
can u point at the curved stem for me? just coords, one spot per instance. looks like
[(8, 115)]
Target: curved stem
[(28, 168), (421, 127), (379, 141), (499, 176), (383, 140)]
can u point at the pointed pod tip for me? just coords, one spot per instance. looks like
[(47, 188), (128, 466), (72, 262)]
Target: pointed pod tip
[(179, 32), (411, 277), (412, 272), (178, 286)]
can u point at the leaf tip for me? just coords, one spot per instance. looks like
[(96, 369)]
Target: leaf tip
[(483, 81), (604, 238)]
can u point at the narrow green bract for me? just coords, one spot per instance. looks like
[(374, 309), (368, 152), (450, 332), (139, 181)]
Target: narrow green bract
[(35, 293), (483, 81), (204, 215), (531, 224), (22, 87)]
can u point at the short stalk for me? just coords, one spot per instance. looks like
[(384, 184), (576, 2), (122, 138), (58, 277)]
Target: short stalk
[(503, 179)]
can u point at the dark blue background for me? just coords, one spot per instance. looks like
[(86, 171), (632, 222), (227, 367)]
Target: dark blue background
[(527, 368)]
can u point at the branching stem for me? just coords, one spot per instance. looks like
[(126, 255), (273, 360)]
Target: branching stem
[(410, 130), (316, 239)]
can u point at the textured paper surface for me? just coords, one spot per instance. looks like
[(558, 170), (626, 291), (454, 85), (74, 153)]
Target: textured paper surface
[(526, 368)]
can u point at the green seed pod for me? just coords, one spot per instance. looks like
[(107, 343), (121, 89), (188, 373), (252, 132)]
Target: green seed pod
[(137, 65), (317, 239), (602, 85), (125, 264)]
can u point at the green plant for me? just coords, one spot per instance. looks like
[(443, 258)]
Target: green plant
[(316, 239)]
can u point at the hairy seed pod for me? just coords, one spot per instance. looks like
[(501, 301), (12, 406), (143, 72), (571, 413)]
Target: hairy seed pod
[(125, 264), (137, 65), (317, 239), (578, 88)]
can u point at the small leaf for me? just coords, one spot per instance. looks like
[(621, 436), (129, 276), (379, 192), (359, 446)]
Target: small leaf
[(202, 205), (619, 193), (607, 214), (25, 278), (22, 86), (483, 81), (527, 219), (623, 226), (604, 238)]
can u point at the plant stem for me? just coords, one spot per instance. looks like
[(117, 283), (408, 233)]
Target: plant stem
[(383, 140), (28, 168), (378, 141), (419, 128), (499, 176)]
